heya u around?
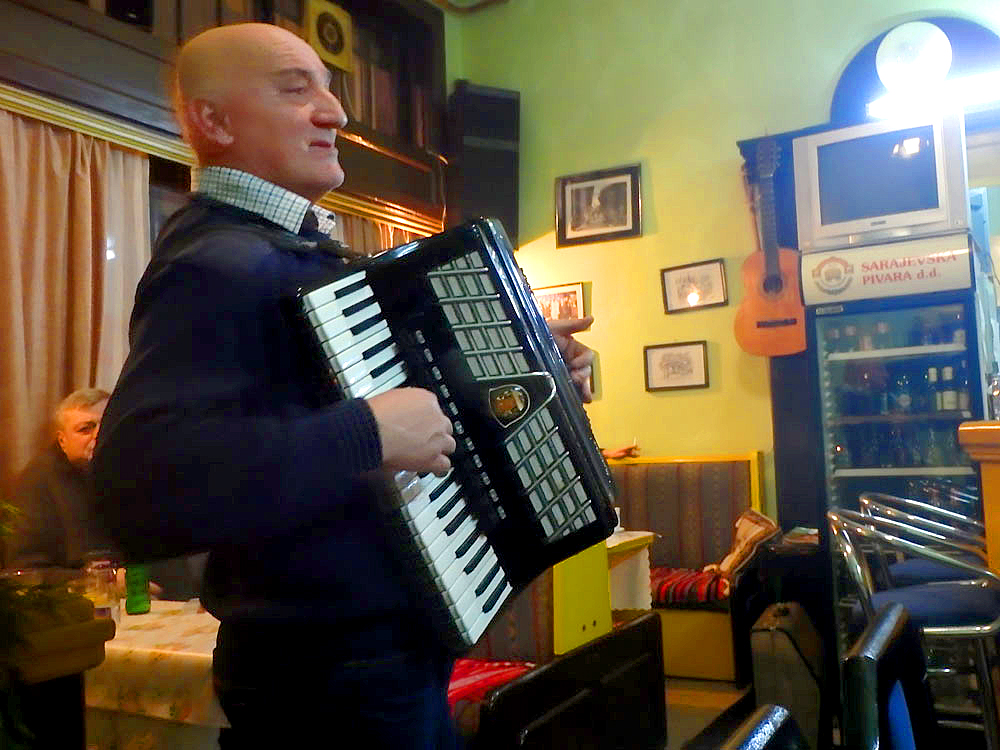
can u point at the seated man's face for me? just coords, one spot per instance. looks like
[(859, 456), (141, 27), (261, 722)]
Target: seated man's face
[(78, 432)]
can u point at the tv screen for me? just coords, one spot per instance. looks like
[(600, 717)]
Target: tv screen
[(877, 175)]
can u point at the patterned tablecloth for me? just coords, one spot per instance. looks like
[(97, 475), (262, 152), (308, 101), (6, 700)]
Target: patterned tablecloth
[(156, 679)]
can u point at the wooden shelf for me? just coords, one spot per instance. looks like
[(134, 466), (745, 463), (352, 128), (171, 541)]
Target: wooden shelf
[(896, 352), (915, 471), (955, 415)]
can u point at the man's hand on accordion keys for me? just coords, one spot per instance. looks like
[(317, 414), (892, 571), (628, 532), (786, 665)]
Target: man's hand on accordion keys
[(579, 358), (415, 433)]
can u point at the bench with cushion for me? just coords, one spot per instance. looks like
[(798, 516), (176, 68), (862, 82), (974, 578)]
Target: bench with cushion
[(514, 690), (693, 504)]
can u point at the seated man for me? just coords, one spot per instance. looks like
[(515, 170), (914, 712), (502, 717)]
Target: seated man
[(56, 525)]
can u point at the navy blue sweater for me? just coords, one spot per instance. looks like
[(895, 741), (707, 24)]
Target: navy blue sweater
[(214, 440)]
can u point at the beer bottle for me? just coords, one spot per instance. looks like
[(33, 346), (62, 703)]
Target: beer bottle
[(962, 386), (949, 396), (832, 335), (849, 342), (902, 396), (882, 338), (933, 393)]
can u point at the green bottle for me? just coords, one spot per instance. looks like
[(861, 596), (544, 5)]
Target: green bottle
[(137, 589)]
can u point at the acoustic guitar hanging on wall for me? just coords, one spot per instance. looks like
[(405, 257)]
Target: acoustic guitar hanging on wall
[(771, 317)]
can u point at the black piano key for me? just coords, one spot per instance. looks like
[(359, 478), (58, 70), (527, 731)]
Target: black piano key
[(467, 544), (492, 601), (357, 307), (445, 509), (436, 492), (377, 371), (477, 558), (383, 344), (485, 583), (452, 527), (367, 323), (350, 288)]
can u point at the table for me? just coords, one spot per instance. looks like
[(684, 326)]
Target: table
[(628, 569), (154, 689)]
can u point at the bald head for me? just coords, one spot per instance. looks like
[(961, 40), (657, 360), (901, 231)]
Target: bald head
[(244, 93)]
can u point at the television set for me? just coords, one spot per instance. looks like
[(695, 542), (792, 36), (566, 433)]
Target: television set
[(881, 181)]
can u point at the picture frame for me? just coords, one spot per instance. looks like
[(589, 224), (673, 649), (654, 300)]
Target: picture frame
[(694, 286), (676, 366), (598, 206), (561, 301)]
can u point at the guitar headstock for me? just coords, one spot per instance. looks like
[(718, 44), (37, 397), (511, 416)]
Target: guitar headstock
[(768, 157)]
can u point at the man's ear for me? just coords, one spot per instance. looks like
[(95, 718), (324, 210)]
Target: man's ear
[(61, 440), (208, 123)]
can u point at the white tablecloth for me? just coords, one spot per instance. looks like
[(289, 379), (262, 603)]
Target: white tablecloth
[(154, 688)]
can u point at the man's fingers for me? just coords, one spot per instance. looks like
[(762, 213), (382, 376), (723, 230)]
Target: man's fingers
[(569, 326)]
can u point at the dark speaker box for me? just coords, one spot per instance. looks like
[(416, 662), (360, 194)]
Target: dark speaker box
[(483, 134)]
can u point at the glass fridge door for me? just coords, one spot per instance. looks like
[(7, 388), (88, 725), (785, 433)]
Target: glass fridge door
[(894, 385)]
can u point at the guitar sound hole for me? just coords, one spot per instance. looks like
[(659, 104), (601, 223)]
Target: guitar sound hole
[(773, 284)]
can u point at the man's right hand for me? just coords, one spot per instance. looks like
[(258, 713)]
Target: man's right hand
[(415, 433)]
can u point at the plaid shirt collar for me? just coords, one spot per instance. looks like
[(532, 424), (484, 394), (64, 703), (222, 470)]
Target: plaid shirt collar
[(251, 193)]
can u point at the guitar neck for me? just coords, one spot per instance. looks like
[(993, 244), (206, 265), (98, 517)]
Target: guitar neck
[(768, 230)]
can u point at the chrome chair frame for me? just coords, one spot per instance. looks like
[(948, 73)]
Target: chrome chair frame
[(927, 512), (846, 526)]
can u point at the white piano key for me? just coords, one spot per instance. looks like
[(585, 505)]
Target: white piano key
[(359, 316), (444, 546), (428, 525), (471, 607), (359, 294), (477, 629), (456, 570), (430, 483), (329, 291), (392, 378), (465, 597)]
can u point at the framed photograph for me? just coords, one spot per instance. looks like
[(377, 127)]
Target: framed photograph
[(694, 286), (676, 366), (598, 206), (560, 302)]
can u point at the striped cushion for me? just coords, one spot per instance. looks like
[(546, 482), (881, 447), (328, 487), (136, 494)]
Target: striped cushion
[(471, 680), (685, 586)]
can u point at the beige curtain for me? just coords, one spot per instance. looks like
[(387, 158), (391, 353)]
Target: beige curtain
[(74, 238)]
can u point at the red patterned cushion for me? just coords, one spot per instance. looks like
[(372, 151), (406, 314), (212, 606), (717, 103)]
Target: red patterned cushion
[(471, 679), (684, 586)]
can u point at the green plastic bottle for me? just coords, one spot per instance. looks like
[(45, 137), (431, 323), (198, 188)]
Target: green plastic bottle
[(137, 589)]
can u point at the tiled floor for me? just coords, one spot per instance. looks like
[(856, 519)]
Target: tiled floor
[(694, 704)]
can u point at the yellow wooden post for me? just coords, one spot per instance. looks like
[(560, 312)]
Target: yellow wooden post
[(981, 441), (581, 599)]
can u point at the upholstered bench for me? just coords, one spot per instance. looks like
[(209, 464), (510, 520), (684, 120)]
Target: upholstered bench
[(520, 686), (693, 505)]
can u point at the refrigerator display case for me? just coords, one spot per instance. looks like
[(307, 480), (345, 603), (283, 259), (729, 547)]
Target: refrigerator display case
[(894, 385), (900, 365)]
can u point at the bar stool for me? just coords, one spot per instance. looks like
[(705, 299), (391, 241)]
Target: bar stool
[(947, 612)]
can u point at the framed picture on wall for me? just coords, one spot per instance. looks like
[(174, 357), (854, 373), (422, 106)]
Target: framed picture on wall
[(598, 206), (676, 366), (560, 302), (694, 286)]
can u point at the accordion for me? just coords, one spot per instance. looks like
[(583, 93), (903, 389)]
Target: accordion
[(528, 486)]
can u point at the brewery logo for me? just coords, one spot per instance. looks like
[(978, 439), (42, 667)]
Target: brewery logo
[(330, 33), (508, 403), (833, 275)]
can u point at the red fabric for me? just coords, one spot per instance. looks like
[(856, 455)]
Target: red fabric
[(471, 679), (681, 585)]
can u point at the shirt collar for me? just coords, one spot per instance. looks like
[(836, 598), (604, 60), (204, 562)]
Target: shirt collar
[(251, 193)]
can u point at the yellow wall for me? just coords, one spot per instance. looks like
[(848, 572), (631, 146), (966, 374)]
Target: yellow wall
[(672, 85)]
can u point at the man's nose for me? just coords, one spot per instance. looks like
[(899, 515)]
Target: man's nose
[(330, 113)]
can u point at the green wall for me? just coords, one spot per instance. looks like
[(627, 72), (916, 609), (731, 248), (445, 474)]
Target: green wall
[(672, 86)]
